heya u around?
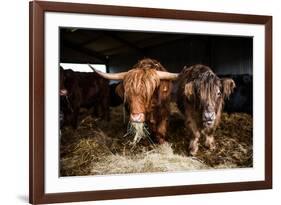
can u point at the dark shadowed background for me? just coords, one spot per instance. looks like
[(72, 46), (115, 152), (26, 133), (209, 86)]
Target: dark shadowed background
[(228, 56), (121, 49)]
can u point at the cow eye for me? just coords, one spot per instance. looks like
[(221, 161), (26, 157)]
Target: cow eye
[(219, 93)]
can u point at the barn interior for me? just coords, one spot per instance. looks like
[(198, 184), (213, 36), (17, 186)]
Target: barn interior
[(98, 146), (120, 50)]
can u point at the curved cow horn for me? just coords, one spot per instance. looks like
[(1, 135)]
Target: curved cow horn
[(164, 75), (109, 76), (92, 68)]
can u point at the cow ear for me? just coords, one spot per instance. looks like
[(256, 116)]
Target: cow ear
[(164, 90), (119, 90), (188, 89), (228, 86)]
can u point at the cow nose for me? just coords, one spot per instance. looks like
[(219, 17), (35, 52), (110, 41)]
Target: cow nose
[(63, 92), (137, 117), (209, 116)]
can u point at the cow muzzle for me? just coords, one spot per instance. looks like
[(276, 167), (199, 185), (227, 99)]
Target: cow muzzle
[(63, 92), (137, 117), (208, 119)]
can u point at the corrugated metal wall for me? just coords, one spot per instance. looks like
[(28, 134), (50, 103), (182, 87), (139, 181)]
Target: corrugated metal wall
[(225, 55)]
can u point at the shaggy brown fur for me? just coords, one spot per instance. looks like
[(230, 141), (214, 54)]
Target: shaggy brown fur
[(145, 93), (139, 85), (87, 90), (201, 97)]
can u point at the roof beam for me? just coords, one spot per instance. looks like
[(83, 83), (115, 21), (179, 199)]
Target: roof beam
[(125, 42), (84, 50), (165, 41), (92, 40)]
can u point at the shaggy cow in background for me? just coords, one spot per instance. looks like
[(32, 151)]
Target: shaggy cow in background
[(146, 91), (82, 90), (114, 99), (200, 98), (242, 99)]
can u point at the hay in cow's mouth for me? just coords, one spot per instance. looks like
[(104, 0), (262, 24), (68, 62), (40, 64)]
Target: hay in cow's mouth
[(138, 130), (99, 147)]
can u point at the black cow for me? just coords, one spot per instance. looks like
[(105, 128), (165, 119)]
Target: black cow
[(114, 99), (242, 99)]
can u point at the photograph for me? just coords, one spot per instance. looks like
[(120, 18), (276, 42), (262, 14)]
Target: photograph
[(129, 102), (133, 102)]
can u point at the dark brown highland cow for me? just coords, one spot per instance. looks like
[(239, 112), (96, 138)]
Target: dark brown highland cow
[(146, 90), (79, 89), (200, 98)]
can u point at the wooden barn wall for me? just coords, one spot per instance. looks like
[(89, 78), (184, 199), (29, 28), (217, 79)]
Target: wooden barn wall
[(225, 55)]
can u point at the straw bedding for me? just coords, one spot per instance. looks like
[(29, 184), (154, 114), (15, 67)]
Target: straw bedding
[(99, 147)]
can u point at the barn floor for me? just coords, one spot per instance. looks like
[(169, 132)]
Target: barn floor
[(99, 147)]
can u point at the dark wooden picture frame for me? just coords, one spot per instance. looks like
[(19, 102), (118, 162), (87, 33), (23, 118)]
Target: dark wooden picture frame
[(36, 144)]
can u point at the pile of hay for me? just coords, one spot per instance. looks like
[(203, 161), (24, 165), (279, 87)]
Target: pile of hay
[(234, 140), (98, 155), (99, 147), (160, 159)]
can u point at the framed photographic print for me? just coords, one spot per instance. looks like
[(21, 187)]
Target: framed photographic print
[(139, 102)]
